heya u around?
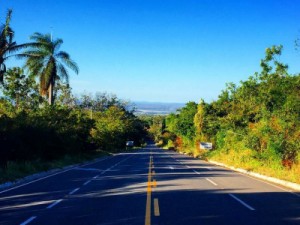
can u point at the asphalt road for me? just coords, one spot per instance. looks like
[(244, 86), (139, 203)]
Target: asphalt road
[(149, 186)]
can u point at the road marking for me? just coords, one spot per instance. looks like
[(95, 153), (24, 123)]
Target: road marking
[(113, 166), (42, 178), (208, 168), (209, 180), (171, 167), (154, 183), (196, 172), (188, 166), (108, 169), (87, 182), (242, 202), (148, 202), (28, 221), (72, 192), (108, 157), (156, 207), (35, 181), (87, 169), (54, 204), (274, 185)]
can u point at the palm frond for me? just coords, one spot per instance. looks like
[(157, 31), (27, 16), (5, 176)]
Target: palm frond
[(62, 72), (43, 39), (56, 44), (45, 61), (8, 32), (65, 58)]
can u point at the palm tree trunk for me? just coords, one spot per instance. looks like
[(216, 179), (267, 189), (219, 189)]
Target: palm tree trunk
[(50, 99)]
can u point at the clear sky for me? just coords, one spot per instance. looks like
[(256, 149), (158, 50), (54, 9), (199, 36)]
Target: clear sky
[(161, 50)]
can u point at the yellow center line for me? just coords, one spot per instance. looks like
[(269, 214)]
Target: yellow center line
[(154, 183), (148, 202), (156, 207)]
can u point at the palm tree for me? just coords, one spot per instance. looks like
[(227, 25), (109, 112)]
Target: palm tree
[(45, 61), (7, 45)]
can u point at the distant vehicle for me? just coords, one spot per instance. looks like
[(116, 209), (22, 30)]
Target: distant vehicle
[(129, 143)]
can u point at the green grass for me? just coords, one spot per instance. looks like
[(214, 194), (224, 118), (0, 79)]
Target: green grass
[(247, 160)]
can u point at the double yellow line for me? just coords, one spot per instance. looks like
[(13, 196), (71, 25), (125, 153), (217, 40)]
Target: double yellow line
[(151, 183)]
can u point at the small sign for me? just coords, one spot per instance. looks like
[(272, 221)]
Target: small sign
[(206, 145)]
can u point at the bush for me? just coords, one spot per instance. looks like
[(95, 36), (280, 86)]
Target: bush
[(46, 134)]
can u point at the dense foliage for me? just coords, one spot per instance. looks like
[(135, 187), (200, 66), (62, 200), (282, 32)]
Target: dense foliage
[(31, 129), (256, 121)]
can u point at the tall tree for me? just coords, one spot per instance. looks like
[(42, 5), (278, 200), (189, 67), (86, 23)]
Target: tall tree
[(45, 61), (7, 45)]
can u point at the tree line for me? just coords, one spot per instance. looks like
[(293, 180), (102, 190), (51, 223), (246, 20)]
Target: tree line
[(40, 118), (256, 122)]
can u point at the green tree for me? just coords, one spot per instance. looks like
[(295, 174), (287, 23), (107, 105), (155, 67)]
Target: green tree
[(7, 44), (115, 126), (182, 123), (63, 95), (20, 89), (157, 126), (45, 61)]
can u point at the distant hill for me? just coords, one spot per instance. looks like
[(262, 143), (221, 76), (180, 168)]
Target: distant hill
[(156, 108)]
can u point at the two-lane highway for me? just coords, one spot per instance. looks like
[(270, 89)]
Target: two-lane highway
[(149, 186)]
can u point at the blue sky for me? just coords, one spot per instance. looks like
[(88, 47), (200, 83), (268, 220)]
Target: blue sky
[(161, 50)]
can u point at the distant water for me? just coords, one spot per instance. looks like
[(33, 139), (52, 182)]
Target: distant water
[(156, 108)]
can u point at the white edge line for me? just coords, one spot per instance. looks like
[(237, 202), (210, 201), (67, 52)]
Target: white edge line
[(28, 221), (72, 192), (196, 172), (87, 182), (267, 182), (209, 180), (54, 204), (42, 178), (22, 185), (291, 191), (242, 202)]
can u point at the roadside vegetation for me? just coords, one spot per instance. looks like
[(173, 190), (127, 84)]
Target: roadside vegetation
[(42, 124), (254, 125)]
